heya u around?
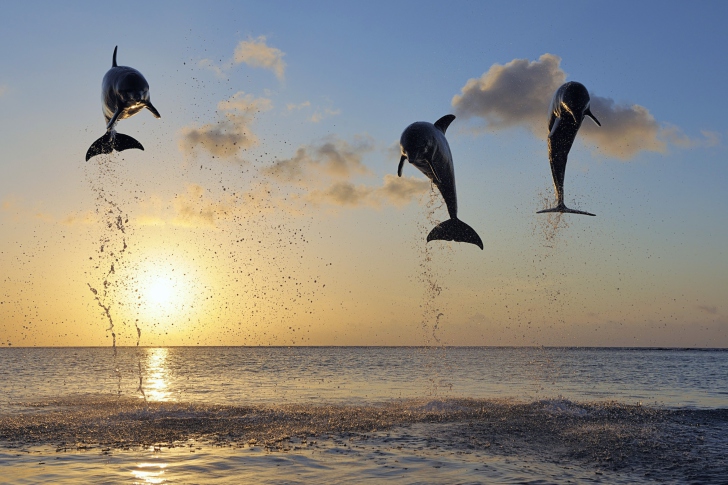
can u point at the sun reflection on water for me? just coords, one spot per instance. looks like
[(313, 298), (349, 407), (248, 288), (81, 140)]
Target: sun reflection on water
[(156, 378), (152, 473)]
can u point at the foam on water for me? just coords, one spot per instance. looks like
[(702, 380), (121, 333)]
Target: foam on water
[(611, 439)]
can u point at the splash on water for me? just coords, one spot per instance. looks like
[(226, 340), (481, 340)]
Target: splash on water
[(605, 437)]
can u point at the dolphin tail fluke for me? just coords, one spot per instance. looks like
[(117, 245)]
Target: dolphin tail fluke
[(455, 230), (108, 143), (563, 209), (124, 142), (102, 145)]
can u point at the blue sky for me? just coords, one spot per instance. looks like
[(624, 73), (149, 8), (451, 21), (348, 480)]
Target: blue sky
[(354, 76)]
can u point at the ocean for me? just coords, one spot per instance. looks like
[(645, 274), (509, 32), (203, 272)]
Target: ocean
[(411, 415)]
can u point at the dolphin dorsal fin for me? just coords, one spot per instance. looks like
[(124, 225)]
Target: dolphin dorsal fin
[(444, 122), (113, 61)]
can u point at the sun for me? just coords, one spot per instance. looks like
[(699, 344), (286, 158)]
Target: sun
[(166, 292), (161, 291)]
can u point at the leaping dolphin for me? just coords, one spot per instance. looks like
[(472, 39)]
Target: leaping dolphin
[(568, 108), (426, 147), (124, 92)]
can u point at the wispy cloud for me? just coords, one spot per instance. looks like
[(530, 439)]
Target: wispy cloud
[(3, 89), (256, 53), (709, 309), (324, 173), (519, 93), (397, 191), (319, 174), (79, 218), (194, 207), (295, 107), (333, 157), (191, 209), (19, 210), (318, 114), (321, 114), (231, 133)]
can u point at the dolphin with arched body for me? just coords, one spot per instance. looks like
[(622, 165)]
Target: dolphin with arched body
[(124, 92), (424, 145), (568, 108)]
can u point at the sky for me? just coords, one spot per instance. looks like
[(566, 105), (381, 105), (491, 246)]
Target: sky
[(266, 209)]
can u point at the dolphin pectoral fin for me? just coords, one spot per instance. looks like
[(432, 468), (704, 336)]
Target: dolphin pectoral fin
[(590, 115), (565, 210), (102, 145), (154, 111), (444, 122), (455, 230), (574, 211), (113, 119), (555, 126), (401, 165), (124, 142), (113, 60)]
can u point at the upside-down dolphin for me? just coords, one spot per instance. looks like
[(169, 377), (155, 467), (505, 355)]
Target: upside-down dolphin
[(568, 109), (426, 147), (124, 92)]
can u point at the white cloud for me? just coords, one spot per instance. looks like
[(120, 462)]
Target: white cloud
[(514, 94), (519, 94)]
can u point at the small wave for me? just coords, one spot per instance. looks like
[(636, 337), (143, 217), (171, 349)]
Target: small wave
[(605, 435), (562, 407)]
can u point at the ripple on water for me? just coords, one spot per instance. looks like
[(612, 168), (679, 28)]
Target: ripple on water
[(608, 438)]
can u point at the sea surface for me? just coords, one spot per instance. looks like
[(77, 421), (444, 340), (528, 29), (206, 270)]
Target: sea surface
[(411, 415)]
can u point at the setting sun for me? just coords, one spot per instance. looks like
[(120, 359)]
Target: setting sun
[(161, 291), (165, 290)]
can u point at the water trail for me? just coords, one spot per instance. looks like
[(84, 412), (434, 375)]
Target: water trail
[(104, 177), (551, 224), (430, 277), (107, 312), (140, 389)]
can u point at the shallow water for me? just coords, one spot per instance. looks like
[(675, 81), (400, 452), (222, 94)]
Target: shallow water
[(335, 415)]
